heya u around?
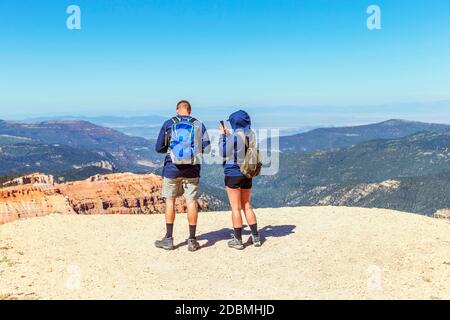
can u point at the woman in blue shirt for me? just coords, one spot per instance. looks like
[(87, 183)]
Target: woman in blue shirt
[(239, 188)]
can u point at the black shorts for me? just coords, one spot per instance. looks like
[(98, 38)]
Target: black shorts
[(238, 182)]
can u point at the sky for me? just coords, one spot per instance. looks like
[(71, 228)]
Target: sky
[(141, 57)]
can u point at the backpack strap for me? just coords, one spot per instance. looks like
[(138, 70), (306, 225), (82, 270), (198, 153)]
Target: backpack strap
[(244, 138), (246, 141), (192, 120), (175, 119)]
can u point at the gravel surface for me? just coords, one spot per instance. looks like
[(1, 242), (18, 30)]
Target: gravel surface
[(308, 253)]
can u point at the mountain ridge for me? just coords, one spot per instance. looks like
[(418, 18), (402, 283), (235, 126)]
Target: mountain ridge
[(418, 162), (125, 153), (423, 154), (339, 137), (412, 159)]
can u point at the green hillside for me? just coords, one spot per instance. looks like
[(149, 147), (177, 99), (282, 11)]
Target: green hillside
[(22, 158), (421, 162), (340, 137), (413, 159), (82, 141)]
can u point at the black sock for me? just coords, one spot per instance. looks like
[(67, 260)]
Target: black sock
[(238, 233), (169, 230), (254, 228), (192, 231)]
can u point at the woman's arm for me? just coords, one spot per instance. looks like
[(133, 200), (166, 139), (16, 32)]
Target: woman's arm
[(226, 145)]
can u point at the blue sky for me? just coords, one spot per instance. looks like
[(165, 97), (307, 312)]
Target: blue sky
[(135, 56)]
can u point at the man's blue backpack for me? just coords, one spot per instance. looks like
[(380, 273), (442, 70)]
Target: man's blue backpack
[(182, 148)]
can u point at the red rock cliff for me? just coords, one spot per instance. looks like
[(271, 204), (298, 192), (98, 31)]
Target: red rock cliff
[(122, 193), (30, 201)]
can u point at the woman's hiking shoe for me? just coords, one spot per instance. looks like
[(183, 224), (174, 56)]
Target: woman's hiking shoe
[(166, 244), (256, 240), (193, 244), (235, 243)]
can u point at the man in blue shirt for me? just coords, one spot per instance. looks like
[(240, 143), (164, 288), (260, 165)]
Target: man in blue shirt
[(182, 177)]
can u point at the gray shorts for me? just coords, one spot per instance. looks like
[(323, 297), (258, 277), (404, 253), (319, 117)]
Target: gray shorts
[(189, 187)]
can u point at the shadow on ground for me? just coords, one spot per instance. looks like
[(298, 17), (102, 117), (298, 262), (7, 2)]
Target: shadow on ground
[(225, 234)]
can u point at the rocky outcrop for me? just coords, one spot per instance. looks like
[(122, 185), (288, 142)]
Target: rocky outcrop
[(122, 193), (35, 178), (442, 214), (31, 201), (352, 194), (107, 165)]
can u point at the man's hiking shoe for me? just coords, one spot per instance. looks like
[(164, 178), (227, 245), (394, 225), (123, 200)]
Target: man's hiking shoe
[(193, 244), (166, 243), (256, 240), (235, 243)]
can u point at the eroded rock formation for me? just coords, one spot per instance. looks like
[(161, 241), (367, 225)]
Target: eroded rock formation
[(35, 178), (442, 214), (122, 193), (31, 201)]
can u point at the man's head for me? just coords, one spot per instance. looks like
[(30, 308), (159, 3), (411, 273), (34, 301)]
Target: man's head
[(184, 107)]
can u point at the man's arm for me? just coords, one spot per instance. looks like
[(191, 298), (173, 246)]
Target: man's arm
[(160, 145)]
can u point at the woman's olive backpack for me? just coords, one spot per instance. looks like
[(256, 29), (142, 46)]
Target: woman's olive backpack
[(252, 164)]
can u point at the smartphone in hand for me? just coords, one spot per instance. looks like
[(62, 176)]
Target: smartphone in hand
[(223, 128)]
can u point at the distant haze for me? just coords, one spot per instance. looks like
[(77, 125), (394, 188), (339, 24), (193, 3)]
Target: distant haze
[(296, 118)]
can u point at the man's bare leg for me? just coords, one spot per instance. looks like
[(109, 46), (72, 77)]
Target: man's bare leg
[(170, 211), (167, 241), (192, 209), (170, 216), (192, 216)]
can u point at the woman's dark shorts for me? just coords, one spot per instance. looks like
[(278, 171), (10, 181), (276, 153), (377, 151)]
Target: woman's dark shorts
[(238, 182)]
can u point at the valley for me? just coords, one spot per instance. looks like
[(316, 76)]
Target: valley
[(395, 164)]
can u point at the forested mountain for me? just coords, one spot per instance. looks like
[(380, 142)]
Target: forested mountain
[(403, 172), (339, 137), (70, 146), (419, 164)]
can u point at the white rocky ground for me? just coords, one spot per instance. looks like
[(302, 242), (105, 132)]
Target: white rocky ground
[(309, 253)]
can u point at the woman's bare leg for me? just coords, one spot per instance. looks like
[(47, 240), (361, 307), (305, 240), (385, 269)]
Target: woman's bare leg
[(247, 206), (234, 196), (250, 216)]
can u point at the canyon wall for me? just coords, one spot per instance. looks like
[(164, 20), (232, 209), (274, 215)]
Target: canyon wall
[(121, 193), (31, 201)]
